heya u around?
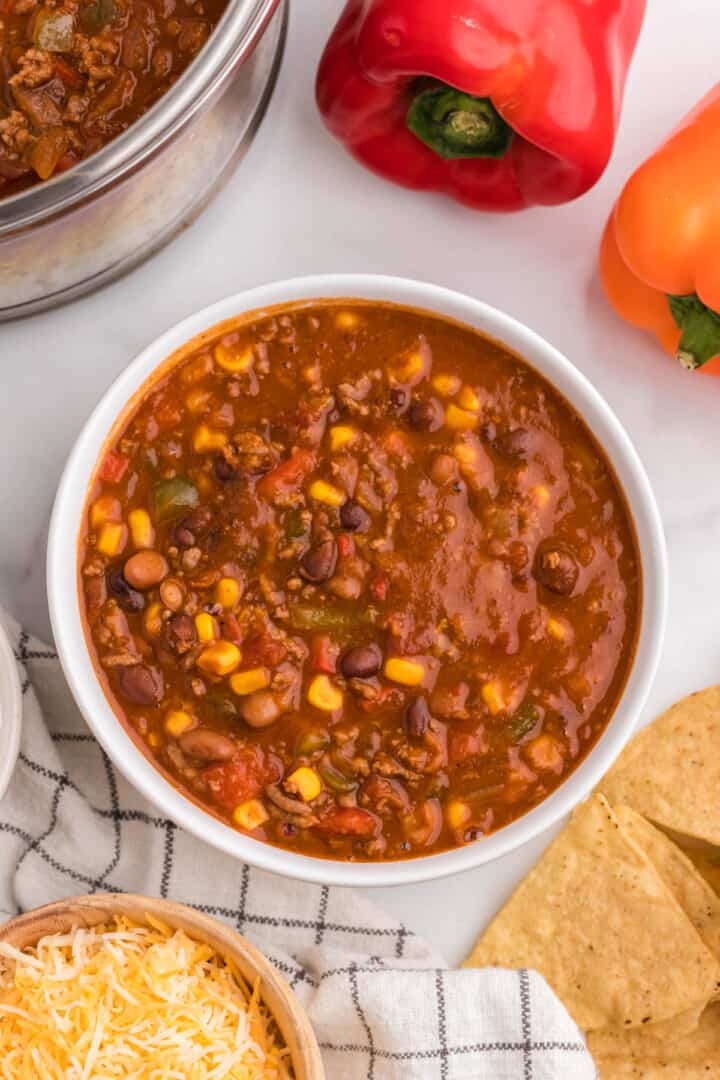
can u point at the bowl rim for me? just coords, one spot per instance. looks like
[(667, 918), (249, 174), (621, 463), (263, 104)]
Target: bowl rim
[(540, 355), (10, 710), (279, 997)]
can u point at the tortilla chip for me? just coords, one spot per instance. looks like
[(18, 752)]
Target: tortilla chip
[(708, 866), (692, 892), (619, 1054), (595, 918), (650, 1039), (627, 1069), (670, 772)]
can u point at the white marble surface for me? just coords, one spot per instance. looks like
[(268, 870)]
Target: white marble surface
[(299, 205)]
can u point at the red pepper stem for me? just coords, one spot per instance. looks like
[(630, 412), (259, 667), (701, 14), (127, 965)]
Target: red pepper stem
[(458, 125)]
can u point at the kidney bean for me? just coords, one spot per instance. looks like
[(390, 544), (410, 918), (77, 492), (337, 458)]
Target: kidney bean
[(362, 662), (141, 684), (318, 564), (260, 709), (425, 414), (181, 632), (556, 567), (417, 717), (145, 569), (183, 537), (353, 517), (129, 599), (207, 746)]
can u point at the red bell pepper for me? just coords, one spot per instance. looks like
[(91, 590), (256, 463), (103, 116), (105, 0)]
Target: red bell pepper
[(501, 104)]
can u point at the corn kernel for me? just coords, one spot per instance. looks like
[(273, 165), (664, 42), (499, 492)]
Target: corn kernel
[(347, 320), (306, 782), (250, 815), (178, 721), (196, 369), (493, 697), (469, 399), (197, 400), (341, 436), (555, 628), (153, 619), (153, 740), (234, 360), (447, 385), (203, 483), (219, 658), (458, 813), (206, 440), (112, 538), (141, 529), (405, 672), (410, 369), (540, 494), (228, 592), (106, 508), (246, 682), (327, 493), (467, 455), (323, 695), (205, 626), (460, 419)]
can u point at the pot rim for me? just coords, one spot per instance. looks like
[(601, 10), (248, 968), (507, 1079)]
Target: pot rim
[(230, 44)]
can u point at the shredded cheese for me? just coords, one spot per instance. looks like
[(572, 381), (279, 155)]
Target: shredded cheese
[(133, 1003)]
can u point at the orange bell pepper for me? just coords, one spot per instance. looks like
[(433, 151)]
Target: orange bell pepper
[(659, 261)]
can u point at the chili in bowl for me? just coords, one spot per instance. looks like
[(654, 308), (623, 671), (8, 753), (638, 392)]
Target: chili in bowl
[(363, 595)]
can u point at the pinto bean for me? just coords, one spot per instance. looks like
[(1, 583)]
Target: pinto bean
[(353, 517), (318, 564), (556, 567), (207, 746), (141, 684), (145, 569), (260, 709), (362, 662)]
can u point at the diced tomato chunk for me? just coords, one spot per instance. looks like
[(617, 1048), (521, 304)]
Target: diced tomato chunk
[(68, 74), (263, 650), (465, 744), (231, 629), (113, 468), (345, 545), (288, 475), (243, 777), (348, 821), (379, 587), (323, 654)]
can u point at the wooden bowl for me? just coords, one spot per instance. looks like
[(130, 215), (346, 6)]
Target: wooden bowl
[(88, 911)]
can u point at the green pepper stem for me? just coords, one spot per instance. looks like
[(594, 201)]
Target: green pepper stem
[(458, 125), (700, 325)]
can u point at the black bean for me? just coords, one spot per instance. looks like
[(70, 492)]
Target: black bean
[(141, 684), (183, 537), (417, 717), (362, 662), (224, 471), (425, 414), (397, 400), (556, 567), (353, 517), (512, 444), (128, 598), (318, 564)]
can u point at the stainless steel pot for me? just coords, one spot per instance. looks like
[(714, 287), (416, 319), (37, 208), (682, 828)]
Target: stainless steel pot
[(103, 217)]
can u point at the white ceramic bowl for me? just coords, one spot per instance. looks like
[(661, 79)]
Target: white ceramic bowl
[(67, 625), (10, 711)]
